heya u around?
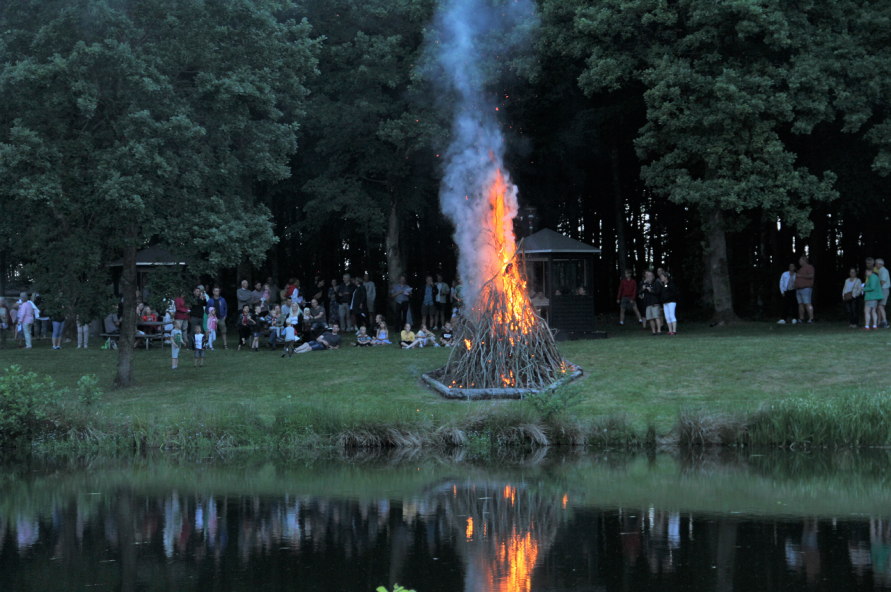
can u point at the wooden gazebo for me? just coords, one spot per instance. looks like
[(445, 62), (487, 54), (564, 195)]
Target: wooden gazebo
[(148, 260), (560, 272)]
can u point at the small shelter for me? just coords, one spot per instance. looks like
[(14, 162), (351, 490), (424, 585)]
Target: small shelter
[(148, 260), (560, 272)]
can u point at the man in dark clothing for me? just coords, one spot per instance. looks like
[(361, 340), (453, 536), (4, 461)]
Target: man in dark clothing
[(218, 303), (330, 340), (359, 304), (196, 312), (344, 298), (651, 293)]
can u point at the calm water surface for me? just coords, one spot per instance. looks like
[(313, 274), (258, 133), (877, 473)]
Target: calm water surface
[(545, 523)]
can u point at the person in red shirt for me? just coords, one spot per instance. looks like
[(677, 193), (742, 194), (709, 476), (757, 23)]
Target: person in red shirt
[(626, 297), (181, 312)]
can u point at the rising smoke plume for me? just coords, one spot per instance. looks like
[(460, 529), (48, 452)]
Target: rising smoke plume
[(471, 45)]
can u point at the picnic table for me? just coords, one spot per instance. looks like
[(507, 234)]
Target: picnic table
[(150, 336)]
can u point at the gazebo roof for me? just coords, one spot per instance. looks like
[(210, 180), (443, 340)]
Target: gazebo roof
[(152, 257), (548, 241)]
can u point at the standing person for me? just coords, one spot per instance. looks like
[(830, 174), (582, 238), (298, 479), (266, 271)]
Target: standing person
[(804, 287), (243, 295), (182, 312), (333, 307), (290, 338), (257, 328), (851, 293), (358, 304), (4, 315), (370, 295), (442, 302), (176, 342), (58, 320), (219, 305), (650, 293), (196, 311), (626, 297), (344, 297), (212, 322), (274, 291), (669, 302), (401, 295), (26, 318), (885, 284), (245, 324), (83, 331), (289, 289), (428, 306), (872, 295), (457, 296), (199, 345), (258, 296), (787, 291)]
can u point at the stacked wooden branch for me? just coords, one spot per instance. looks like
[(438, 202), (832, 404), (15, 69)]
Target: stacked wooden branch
[(503, 343)]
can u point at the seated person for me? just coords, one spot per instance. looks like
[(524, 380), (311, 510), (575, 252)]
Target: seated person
[(316, 318), (447, 339), (407, 339), (149, 317), (425, 337), (363, 339), (113, 323), (330, 340), (381, 336)]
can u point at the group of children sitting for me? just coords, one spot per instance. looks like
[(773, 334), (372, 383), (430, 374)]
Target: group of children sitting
[(408, 338)]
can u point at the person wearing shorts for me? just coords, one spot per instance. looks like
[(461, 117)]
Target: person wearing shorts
[(651, 293), (872, 295), (804, 286), (626, 297)]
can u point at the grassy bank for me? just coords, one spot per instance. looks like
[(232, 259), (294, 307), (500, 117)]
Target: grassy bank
[(755, 383)]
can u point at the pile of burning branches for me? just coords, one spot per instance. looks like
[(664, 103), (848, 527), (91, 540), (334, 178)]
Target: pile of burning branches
[(503, 343)]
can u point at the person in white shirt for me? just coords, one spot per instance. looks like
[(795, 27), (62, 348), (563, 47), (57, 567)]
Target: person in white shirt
[(851, 294), (885, 283), (787, 291), (199, 344)]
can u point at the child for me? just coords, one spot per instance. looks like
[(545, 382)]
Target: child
[(211, 328), (176, 342), (290, 338), (426, 337), (363, 339), (448, 336), (245, 323), (408, 338), (199, 345), (382, 337), (275, 327), (872, 295), (257, 328)]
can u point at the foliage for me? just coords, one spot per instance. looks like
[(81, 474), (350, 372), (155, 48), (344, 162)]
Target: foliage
[(26, 403), (552, 402), (88, 392), (396, 588)]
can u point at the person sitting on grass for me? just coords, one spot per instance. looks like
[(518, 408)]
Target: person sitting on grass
[(330, 340), (447, 339), (407, 339), (363, 339), (425, 336), (872, 295), (199, 345), (176, 341), (381, 337), (245, 323)]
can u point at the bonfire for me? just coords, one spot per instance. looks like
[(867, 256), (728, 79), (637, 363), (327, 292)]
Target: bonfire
[(502, 342)]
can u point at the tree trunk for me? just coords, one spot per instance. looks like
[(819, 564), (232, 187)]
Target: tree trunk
[(717, 269), (394, 253), (621, 248), (124, 377)]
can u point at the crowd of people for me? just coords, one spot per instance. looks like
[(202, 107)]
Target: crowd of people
[(656, 294), (869, 295)]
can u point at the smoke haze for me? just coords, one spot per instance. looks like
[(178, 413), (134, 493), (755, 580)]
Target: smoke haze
[(470, 46)]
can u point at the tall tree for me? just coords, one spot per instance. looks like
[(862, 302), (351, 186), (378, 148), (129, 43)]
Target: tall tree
[(723, 81), (129, 122)]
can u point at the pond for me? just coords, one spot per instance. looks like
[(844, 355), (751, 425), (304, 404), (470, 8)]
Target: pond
[(550, 521)]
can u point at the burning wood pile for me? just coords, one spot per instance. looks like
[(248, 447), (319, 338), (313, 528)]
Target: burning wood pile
[(504, 346)]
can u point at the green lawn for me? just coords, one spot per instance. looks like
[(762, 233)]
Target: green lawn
[(648, 378)]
